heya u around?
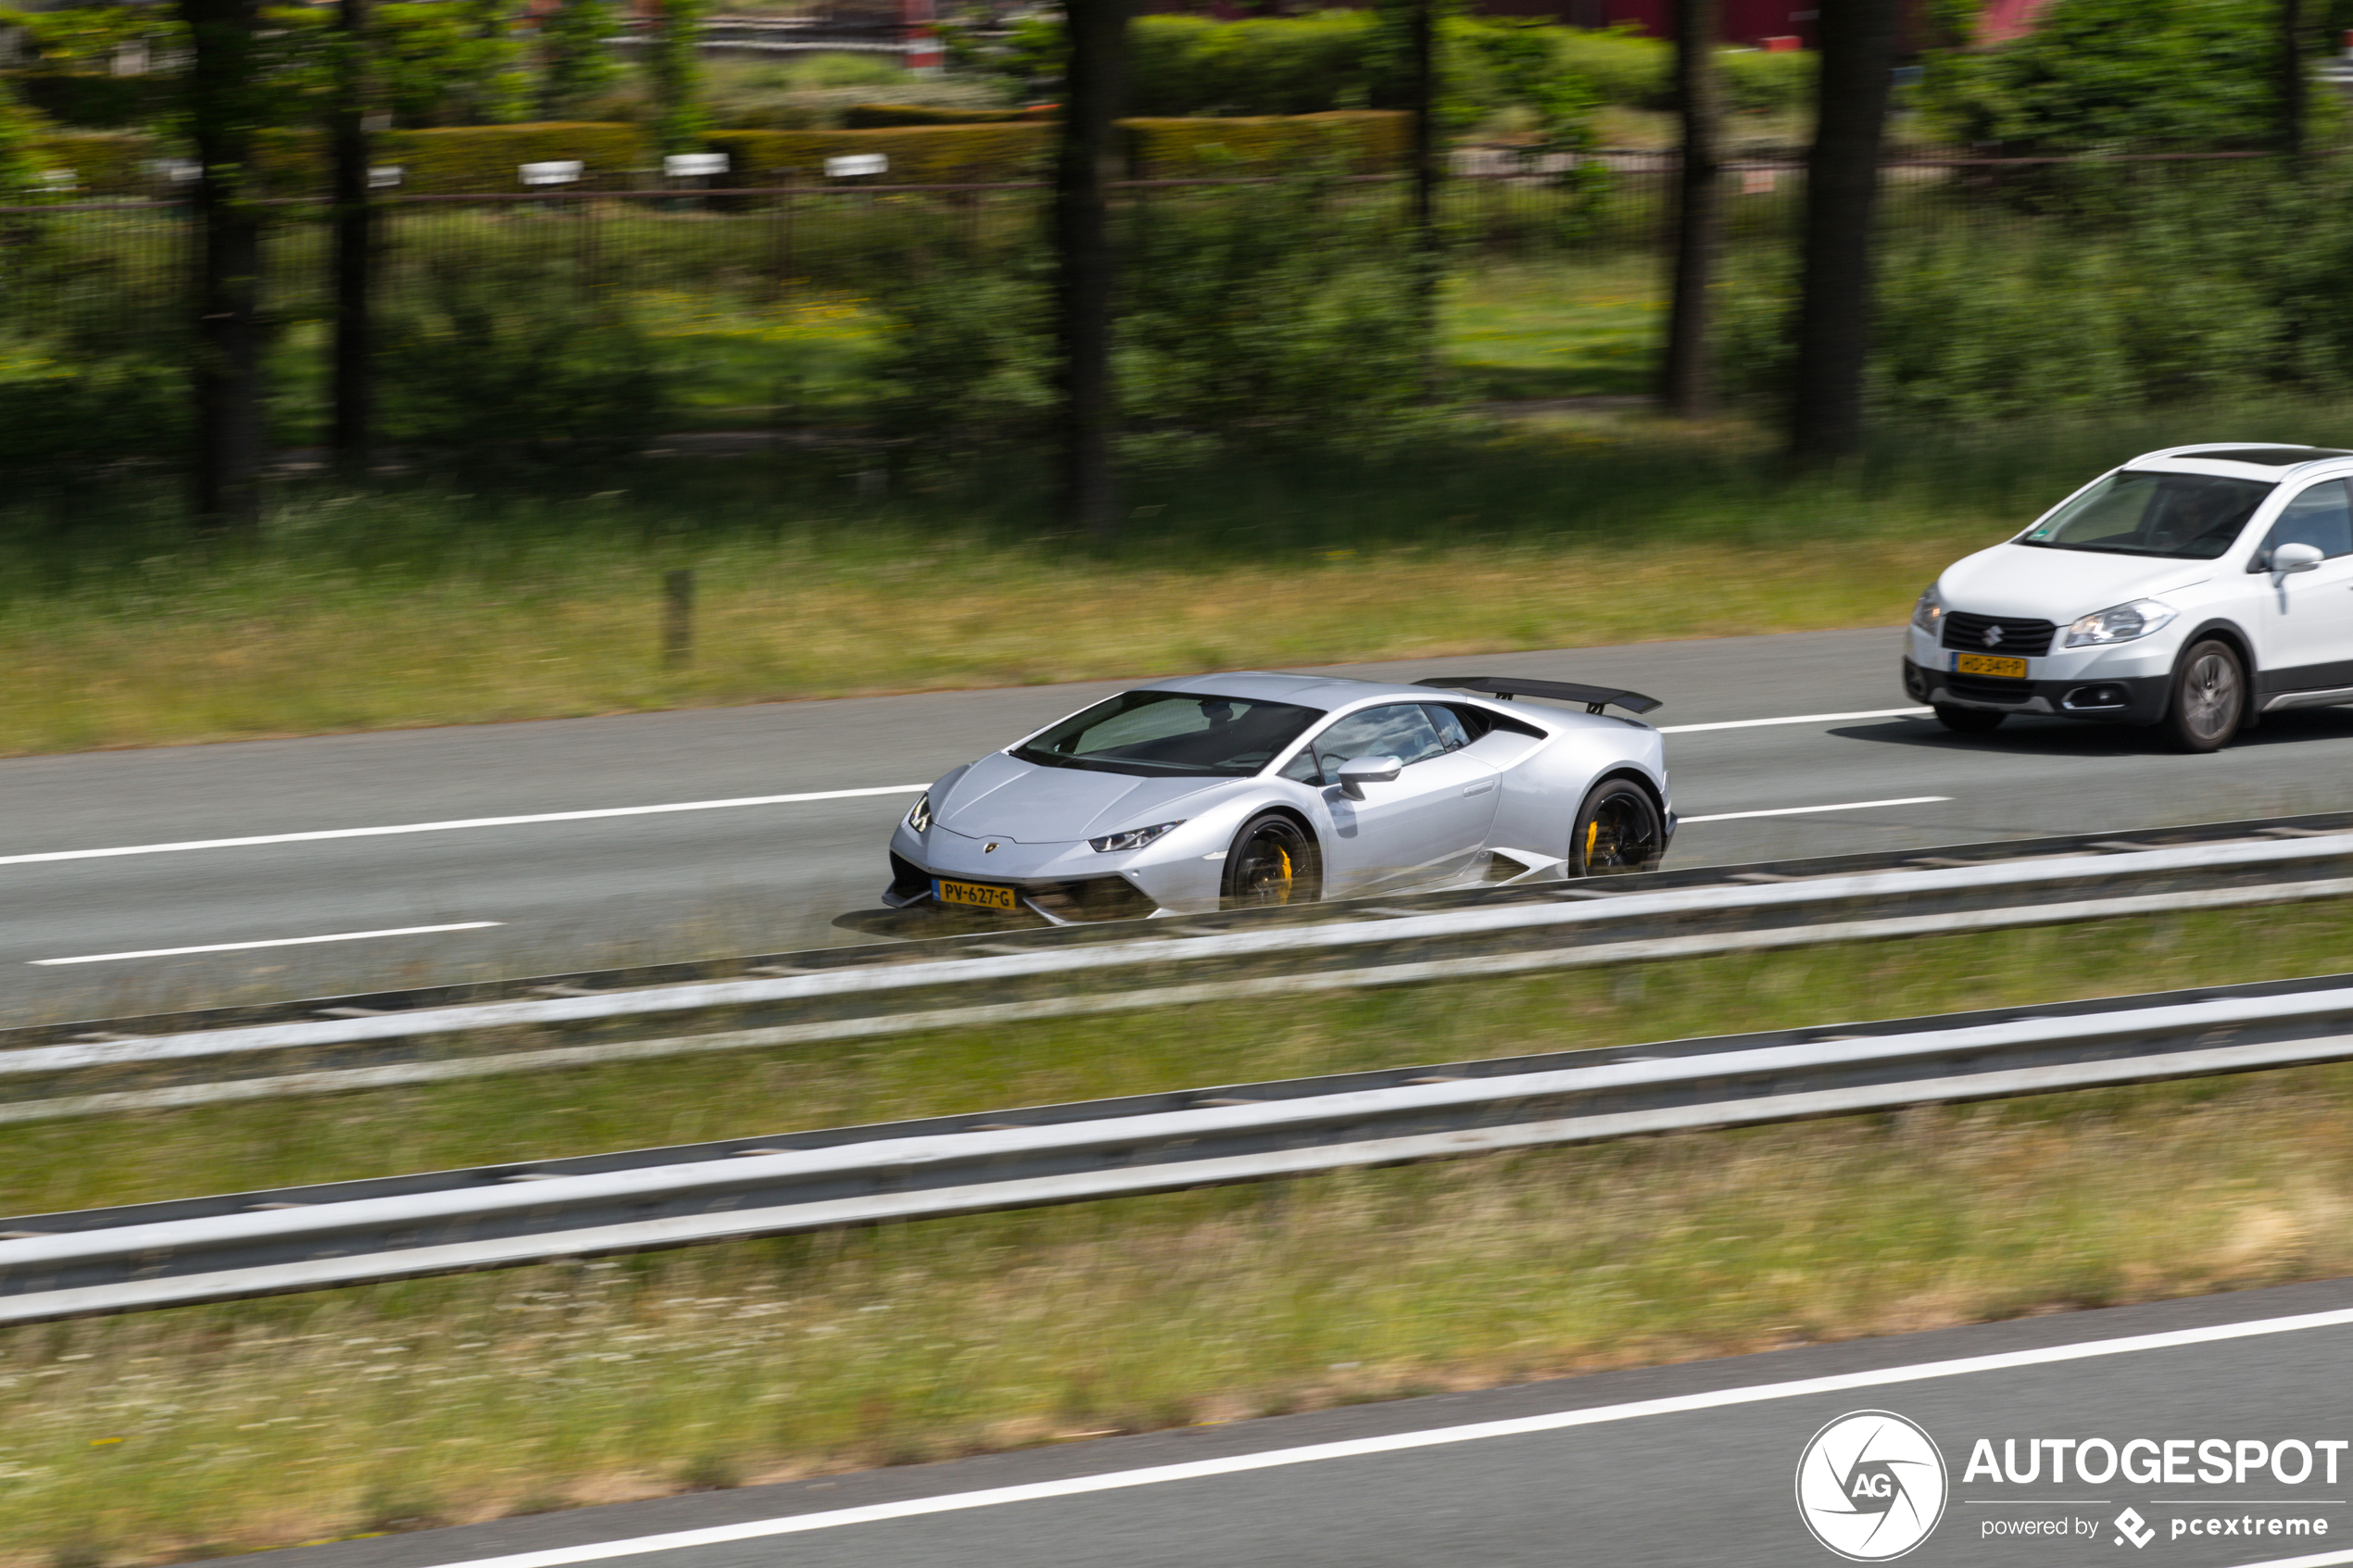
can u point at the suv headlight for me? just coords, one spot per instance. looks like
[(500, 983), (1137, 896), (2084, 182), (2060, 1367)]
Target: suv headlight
[(919, 814), (2120, 623), (1134, 838), (1928, 611)]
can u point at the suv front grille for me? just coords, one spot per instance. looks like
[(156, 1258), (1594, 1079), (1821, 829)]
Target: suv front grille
[(2027, 639)]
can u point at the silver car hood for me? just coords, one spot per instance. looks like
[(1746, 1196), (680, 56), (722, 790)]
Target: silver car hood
[(1001, 796)]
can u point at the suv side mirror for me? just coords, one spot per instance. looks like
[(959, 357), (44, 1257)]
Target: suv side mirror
[(1356, 774), (2296, 557)]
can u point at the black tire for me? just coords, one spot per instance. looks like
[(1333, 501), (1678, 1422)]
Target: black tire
[(1967, 721), (1274, 861), (2209, 698), (1618, 830)]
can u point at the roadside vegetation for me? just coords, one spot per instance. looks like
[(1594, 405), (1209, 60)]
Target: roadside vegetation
[(174, 1434), (845, 571)]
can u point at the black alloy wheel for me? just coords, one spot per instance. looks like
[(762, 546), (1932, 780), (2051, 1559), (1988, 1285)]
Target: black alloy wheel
[(1273, 861), (1618, 830), (1967, 721), (2209, 698)]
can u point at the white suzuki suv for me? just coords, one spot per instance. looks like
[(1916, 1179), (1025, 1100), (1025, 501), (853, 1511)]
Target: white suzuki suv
[(2196, 588)]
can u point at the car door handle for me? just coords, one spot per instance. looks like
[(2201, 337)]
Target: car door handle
[(1481, 787)]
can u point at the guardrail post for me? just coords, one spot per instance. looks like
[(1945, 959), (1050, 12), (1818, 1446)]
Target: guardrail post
[(678, 618)]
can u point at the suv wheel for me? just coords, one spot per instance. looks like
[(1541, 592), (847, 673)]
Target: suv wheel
[(2209, 698)]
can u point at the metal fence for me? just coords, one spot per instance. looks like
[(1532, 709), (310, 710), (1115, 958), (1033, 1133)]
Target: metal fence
[(763, 243)]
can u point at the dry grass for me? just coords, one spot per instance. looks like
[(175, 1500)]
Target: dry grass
[(143, 1438), (290, 653)]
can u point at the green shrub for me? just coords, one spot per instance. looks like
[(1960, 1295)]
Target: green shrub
[(20, 152), (1362, 141), (105, 163), (969, 355), (63, 415), (1277, 316), (1266, 66), (516, 365), (2114, 305), (2116, 74), (1621, 66), (1757, 81)]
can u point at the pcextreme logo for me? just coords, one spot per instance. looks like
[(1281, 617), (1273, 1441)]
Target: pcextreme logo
[(1870, 1486)]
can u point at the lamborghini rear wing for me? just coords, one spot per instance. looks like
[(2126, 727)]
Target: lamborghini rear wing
[(1596, 698)]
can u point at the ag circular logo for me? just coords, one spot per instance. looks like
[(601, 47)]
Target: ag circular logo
[(1870, 1486)]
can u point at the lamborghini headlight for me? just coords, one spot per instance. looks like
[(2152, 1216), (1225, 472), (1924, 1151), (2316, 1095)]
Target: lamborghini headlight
[(919, 814), (1134, 838), (1928, 611), (2120, 623)]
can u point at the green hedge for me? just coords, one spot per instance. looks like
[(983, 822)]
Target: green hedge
[(105, 163), (920, 155), (458, 159), (483, 157), (1364, 141)]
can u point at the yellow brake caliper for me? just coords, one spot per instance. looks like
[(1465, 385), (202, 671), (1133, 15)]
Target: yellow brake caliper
[(1592, 831), (1284, 855)]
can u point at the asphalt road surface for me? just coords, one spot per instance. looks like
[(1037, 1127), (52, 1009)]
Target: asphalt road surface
[(1693, 1464), (545, 895)]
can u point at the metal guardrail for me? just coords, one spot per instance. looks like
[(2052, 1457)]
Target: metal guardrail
[(147, 1256), (829, 960), (1549, 925)]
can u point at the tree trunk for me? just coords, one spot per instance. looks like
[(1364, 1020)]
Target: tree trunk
[(1841, 188), (2292, 77), (1098, 30), (227, 380), (1688, 378), (355, 250)]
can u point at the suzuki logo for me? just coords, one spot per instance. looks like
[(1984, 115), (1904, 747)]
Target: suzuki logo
[(1992, 636)]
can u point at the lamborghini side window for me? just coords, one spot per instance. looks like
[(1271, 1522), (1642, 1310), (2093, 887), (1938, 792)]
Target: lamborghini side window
[(1303, 767), (1403, 731), (1451, 733)]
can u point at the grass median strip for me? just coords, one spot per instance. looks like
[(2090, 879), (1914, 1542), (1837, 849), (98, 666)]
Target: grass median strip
[(456, 1399)]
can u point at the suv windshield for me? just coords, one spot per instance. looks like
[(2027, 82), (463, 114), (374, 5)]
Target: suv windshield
[(1158, 733), (2189, 516)]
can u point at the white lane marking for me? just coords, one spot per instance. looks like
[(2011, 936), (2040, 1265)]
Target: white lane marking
[(758, 1529), (2325, 1560), (274, 942), (452, 826), (1795, 719), (1803, 811)]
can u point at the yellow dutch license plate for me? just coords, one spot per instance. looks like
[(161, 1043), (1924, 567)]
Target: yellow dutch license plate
[(1986, 664), (978, 895)]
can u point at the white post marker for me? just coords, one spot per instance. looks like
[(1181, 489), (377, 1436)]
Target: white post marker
[(693, 166), (854, 165), (558, 171), (384, 176)]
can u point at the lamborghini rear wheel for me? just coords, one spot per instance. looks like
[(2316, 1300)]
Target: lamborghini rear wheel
[(1618, 830), (1273, 861)]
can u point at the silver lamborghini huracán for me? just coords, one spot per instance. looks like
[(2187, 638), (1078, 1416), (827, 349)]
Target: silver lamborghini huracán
[(1223, 791)]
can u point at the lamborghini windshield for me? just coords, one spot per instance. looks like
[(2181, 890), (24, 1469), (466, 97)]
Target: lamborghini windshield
[(1160, 734), (2187, 516)]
